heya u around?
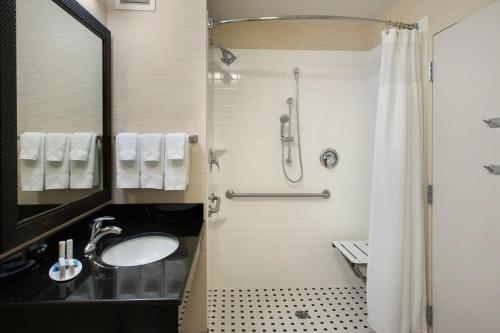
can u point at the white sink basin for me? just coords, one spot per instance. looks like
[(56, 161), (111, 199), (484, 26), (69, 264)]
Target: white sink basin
[(140, 251)]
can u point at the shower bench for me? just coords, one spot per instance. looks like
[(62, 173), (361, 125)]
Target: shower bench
[(356, 255)]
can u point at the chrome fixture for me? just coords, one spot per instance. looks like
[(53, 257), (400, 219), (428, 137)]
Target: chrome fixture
[(227, 56), (192, 138), (213, 198), (493, 122), (287, 138), (400, 25), (213, 160), (329, 158), (493, 169), (97, 232), (325, 194)]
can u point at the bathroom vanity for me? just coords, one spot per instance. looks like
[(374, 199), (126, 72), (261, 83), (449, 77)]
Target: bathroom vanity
[(107, 298)]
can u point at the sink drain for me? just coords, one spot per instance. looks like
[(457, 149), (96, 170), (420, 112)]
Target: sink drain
[(302, 314)]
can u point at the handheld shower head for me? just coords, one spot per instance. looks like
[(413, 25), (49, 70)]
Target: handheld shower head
[(284, 118)]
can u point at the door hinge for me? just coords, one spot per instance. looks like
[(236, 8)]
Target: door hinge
[(430, 194), (430, 71), (430, 315)]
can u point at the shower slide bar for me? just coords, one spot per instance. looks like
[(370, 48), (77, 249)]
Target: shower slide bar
[(212, 22), (325, 194)]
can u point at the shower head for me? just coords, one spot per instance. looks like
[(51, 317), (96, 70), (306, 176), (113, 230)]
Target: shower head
[(284, 118), (227, 56)]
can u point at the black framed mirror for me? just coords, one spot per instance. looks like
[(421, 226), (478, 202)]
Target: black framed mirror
[(55, 117)]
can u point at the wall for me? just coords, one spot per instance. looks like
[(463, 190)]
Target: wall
[(287, 242), (98, 8), (297, 35), (159, 83)]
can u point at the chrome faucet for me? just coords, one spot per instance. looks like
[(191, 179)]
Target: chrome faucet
[(97, 232)]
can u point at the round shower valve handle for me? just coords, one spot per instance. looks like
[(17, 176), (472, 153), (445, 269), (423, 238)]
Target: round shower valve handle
[(329, 158)]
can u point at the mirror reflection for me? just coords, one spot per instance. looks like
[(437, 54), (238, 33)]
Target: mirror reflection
[(59, 108)]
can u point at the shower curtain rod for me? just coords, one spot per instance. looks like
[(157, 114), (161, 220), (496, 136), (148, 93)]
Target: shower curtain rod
[(212, 22)]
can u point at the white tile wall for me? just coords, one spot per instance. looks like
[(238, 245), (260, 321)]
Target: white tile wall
[(287, 242)]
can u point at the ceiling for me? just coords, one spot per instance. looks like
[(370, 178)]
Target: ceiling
[(224, 9)]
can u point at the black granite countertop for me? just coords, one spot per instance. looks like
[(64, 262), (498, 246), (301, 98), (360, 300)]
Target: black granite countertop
[(161, 281)]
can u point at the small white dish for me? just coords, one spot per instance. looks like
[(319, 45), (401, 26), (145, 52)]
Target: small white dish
[(55, 274)]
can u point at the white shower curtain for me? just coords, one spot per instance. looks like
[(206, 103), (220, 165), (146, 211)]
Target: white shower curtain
[(396, 267)]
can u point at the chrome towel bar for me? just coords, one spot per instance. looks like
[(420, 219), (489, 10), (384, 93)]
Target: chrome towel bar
[(325, 194)]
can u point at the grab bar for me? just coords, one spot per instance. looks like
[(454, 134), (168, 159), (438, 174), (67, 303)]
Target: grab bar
[(325, 194)]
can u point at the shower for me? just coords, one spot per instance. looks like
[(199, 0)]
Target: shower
[(286, 136), (227, 57)]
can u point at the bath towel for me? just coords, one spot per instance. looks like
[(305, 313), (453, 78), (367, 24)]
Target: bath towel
[(32, 161), (57, 161), (80, 146), (152, 161), (177, 171), (176, 148), (85, 174)]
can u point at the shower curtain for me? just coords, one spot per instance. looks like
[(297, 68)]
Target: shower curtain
[(396, 291)]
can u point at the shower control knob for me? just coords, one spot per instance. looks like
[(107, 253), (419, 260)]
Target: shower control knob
[(329, 158), (493, 122), (493, 169)]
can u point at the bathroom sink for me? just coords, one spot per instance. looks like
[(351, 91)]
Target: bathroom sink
[(140, 250)]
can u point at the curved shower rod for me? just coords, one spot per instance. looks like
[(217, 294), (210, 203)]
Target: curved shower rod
[(212, 22)]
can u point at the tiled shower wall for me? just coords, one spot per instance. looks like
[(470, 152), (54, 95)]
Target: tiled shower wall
[(287, 242)]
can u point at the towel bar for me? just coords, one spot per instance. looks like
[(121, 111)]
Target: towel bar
[(230, 194), (193, 138)]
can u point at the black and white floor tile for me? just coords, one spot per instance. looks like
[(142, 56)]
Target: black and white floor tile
[(288, 310)]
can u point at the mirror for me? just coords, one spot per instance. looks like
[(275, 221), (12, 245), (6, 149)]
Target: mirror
[(59, 98), (55, 89)]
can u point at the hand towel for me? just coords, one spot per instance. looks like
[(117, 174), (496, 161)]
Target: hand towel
[(152, 169), (80, 146), (55, 146), (151, 147), (126, 146), (57, 171), (175, 145), (177, 171), (30, 145), (32, 161), (85, 174), (127, 171)]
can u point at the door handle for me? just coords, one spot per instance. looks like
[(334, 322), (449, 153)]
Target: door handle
[(493, 169), (493, 122), (211, 209)]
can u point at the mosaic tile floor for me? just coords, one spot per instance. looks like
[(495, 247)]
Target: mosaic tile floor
[(284, 310)]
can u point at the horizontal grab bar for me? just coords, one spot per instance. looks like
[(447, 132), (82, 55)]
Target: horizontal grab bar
[(325, 194)]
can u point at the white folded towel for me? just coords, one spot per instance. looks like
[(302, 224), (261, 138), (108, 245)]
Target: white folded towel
[(126, 146), (32, 161), (57, 170), (85, 174), (177, 171), (127, 171), (55, 146), (176, 148), (151, 147), (80, 146), (30, 145), (152, 161)]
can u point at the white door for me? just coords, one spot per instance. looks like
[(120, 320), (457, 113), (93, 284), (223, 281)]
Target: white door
[(466, 211)]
